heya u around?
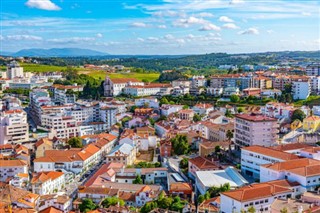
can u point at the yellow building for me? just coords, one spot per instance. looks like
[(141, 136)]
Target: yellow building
[(311, 123), (296, 124), (42, 145)]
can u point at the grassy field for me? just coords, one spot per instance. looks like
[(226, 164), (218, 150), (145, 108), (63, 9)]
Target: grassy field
[(151, 77)]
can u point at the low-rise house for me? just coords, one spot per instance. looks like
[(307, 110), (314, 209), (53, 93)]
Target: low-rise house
[(72, 160), (296, 124), (310, 152), (210, 205), (207, 179), (206, 147), (124, 153), (181, 189), (260, 196), (149, 102), (42, 145), (200, 164), (162, 129), (311, 198), (186, 114), (254, 156), (133, 194), (165, 148), (47, 182), (251, 92), (311, 123), (59, 202), (304, 171), (167, 109), (203, 109), (12, 197), (10, 168), (292, 205), (20, 180)]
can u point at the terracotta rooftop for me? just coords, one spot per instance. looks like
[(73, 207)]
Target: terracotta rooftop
[(45, 176), (255, 118), (203, 163), (51, 210), (12, 163), (261, 190), (271, 152), (290, 146), (180, 187), (124, 80)]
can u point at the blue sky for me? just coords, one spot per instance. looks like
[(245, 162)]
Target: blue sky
[(161, 26)]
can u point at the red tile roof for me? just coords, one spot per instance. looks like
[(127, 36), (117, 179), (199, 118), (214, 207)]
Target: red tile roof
[(271, 152)]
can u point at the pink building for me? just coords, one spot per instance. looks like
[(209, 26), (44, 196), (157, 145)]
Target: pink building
[(255, 129)]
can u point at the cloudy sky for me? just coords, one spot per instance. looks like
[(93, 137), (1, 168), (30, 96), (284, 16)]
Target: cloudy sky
[(161, 26)]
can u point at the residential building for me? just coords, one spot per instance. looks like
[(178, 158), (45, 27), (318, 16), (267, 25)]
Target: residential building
[(42, 145), (181, 82), (200, 164), (304, 171), (108, 116), (114, 87), (301, 88), (133, 194), (10, 168), (61, 203), (198, 81), (262, 82), (165, 148), (260, 196), (14, 127), (148, 102), (315, 84), (181, 189), (14, 70), (313, 69), (255, 129), (203, 109), (38, 98), (63, 97), (145, 90), (292, 205), (50, 182), (311, 123), (251, 92), (207, 179), (16, 198), (124, 153), (254, 156), (167, 109), (186, 114), (72, 160)]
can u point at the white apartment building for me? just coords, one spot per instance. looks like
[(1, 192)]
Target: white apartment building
[(73, 160), (62, 97), (108, 116), (14, 70), (114, 87), (254, 156), (313, 69), (151, 102), (252, 129), (64, 126), (38, 98), (260, 196), (61, 202), (183, 83), (14, 127), (124, 153), (10, 168), (301, 88), (198, 81), (50, 182), (203, 108), (167, 109), (278, 110), (315, 84), (145, 90), (304, 171)]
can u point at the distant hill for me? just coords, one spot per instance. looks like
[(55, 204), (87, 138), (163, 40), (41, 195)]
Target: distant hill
[(58, 52)]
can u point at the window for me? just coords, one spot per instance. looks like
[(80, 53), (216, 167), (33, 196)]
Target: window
[(266, 200)]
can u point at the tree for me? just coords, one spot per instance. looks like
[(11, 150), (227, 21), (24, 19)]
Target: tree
[(164, 100), (234, 98), (215, 191), (284, 210), (112, 201), (251, 209), (240, 110), (180, 145), (287, 89), (183, 163), (217, 149), (87, 205), (148, 207), (75, 142), (228, 114), (229, 135), (200, 199), (298, 114), (165, 202), (196, 118), (185, 107), (138, 180)]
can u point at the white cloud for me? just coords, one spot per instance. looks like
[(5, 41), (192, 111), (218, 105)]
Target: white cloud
[(152, 39), (1, 38), (189, 21), (99, 35), (236, 2), (230, 26), (208, 27), (139, 24), (306, 14), (225, 19), (250, 31), (42, 5), (162, 26), (168, 13), (23, 38), (205, 14), (140, 39), (270, 31), (169, 36), (71, 40)]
